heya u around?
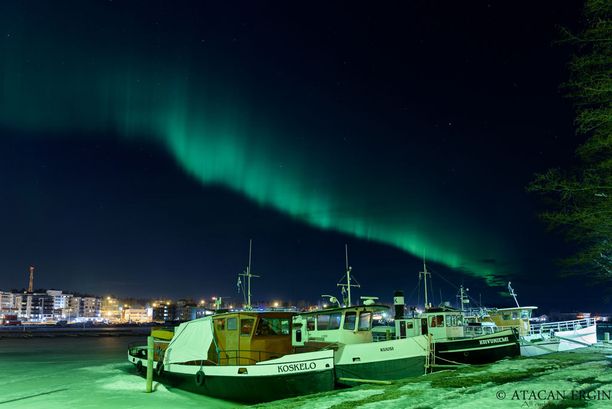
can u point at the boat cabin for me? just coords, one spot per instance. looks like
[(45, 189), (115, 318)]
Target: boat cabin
[(440, 323), (248, 337), (345, 325), (515, 317)]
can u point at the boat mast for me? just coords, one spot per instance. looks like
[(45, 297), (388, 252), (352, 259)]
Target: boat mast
[(513, 294), (248, 274), (425, 273), (463, 297), (347, 287)]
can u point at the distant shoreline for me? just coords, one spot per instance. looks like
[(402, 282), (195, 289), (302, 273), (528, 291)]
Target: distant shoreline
[(54, 332)]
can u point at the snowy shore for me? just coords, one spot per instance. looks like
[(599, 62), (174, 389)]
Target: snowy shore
[(91, 373), (577, 379)]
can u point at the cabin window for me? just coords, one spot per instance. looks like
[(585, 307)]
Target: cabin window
[(506, 317), (322, 322), (453, 321), (349, 320), (365, 319), (310, 323), (515, 315), (220, 324), (409, 325), (246, 325), (334, 320), (437, 321), (525, 314), (272, 326), (232, 324)]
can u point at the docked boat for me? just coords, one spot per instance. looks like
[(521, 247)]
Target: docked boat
[(347, 329), (545, 338), (451, 345), (244, 356), (358, 358), (542, 338)]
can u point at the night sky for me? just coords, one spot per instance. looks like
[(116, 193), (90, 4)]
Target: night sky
[(143, 143)]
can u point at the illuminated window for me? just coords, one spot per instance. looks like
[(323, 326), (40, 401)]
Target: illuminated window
[(349, 320), (272, 326), (334, 320), (323, 322), (232, 324), (220, 324), (246, 326), (310, 323), (437, 321), (365, 321)]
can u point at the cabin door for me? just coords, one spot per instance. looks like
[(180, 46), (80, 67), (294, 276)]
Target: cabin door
[(424, 329), (402, 333)]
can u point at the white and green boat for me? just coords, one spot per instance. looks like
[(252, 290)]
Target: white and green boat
[(244, 356)]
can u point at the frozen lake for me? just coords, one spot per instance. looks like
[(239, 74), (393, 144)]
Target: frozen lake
[(94, 373), (83, 372)]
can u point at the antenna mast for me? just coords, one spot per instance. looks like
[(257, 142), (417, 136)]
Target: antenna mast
[(425, 273), (513, 294), (248, 276), (463, 297), (347, 287), (31, 285)]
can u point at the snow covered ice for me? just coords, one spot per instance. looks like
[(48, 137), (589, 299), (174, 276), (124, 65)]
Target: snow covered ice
[(94, 373)]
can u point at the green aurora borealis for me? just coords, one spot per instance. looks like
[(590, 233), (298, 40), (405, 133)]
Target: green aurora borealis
[(220, 132)]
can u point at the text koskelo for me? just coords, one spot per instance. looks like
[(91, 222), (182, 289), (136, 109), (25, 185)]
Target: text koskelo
[(302, 366)]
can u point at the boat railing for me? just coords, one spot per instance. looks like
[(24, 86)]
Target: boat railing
[(239, 356), (552, 327)]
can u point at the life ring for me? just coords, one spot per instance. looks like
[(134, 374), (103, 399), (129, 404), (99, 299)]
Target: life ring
[(159, 369), (139, 366), (200, 378)]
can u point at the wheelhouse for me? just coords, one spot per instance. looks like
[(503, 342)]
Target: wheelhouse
[(248, 337), (439, 323), (347, 325), (515, 317)]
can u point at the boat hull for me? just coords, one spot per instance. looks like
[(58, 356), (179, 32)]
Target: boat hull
[(479, 350), (288, 376), (385, 360), (535, 347), (577, 338), (558, 341), (254, 389)]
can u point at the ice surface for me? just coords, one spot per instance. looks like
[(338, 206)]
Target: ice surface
[(488, 386), (84, 373), (93, 373)]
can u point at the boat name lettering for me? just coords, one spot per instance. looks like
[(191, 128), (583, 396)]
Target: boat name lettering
[(304, 366), (493, 340), (386, 349)]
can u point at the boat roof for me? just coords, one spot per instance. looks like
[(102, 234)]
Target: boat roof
[(373, 307), (514, 308), (441, 309), (256, 312)]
